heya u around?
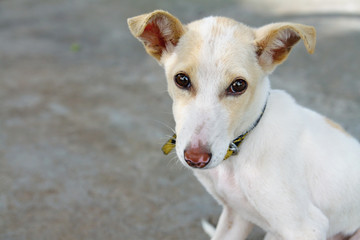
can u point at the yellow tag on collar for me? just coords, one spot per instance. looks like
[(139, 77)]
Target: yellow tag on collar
[(169, 145), (229, 153), (233, 147)]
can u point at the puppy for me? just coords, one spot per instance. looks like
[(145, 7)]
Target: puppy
[(267, 160)]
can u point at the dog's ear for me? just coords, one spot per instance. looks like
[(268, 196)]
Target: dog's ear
[(159, 31), (274, 42)]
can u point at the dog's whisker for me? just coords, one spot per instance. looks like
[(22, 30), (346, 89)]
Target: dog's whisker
[(165, 125), (174, 163)]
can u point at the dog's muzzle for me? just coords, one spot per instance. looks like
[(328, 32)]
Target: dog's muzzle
[(202, 158)]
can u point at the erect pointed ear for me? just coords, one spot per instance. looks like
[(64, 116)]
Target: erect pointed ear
[(159, 31), (274, 42)]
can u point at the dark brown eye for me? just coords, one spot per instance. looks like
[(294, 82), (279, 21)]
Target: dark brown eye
[(237, 87), (182, 81)]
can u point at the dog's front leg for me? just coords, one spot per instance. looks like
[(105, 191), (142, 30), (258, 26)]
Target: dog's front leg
[(231, 226)]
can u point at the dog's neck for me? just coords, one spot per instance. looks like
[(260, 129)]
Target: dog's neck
[(234, 145)]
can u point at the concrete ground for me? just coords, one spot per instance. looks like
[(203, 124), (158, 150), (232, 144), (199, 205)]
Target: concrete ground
[(84, 112)]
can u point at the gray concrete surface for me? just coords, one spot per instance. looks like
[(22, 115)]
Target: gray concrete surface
[(84, 112)]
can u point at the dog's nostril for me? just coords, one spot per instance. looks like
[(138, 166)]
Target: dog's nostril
[(197, 157)]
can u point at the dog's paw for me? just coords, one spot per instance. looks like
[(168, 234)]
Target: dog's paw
[(208, 228)]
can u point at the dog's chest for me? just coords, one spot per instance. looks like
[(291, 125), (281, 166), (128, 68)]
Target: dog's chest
[(227, 188)]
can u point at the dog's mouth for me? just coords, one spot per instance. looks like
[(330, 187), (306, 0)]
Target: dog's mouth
[(196, 165)]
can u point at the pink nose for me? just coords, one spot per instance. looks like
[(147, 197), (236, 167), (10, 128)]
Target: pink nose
[(197, 157)]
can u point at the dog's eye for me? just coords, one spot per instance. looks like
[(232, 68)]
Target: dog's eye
[(182, 81), (237, 87)]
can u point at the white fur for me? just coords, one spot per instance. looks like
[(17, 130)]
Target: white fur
[(305, 188)]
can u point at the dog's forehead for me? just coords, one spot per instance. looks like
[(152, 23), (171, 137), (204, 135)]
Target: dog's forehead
[(217, 30)]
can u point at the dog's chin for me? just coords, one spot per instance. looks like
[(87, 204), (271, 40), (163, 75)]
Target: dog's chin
[(213, 164)]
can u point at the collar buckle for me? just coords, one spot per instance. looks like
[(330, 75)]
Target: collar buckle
[(233, 148)]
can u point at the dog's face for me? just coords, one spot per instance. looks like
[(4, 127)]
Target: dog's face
[(217, 86), (216, 70)]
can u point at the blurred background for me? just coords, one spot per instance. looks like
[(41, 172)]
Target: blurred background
[(84, 112)]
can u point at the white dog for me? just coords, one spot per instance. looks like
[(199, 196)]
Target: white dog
[(264, 158)]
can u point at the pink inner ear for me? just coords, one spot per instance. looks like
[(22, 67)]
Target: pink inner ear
[(284, 43), (160, 34), (152, 36)]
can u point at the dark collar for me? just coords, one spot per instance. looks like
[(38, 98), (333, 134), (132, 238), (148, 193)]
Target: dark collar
[(234, 145)]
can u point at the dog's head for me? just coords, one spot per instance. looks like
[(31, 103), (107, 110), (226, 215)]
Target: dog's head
[(216, 70)]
